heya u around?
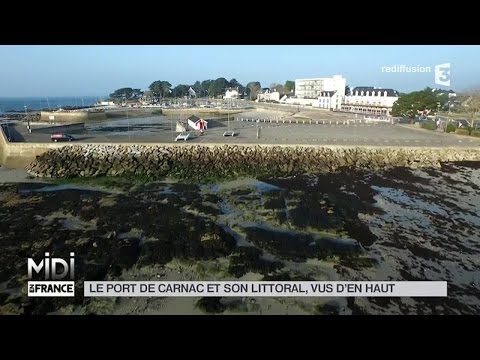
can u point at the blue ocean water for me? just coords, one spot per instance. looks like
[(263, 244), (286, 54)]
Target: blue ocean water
[(43, 103)]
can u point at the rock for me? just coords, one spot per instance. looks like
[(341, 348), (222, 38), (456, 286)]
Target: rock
[(223, 160), (10, 309), (211, 305), (126, 254), (209, 237)]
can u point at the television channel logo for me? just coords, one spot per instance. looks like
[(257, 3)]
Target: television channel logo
[(55, 271)]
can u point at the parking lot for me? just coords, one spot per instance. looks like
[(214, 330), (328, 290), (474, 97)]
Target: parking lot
[(340, 131), (358, 134)]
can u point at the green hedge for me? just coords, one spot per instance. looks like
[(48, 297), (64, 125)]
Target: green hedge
[(465, 131), (429, 125), (475, 133), (451, 128)]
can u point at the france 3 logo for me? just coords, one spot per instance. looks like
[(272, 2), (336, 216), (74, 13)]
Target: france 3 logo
[(442, 74), (55, 270)]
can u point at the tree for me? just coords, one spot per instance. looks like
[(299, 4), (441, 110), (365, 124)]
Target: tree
[(253, 89), (137, 93), (160, 88), (234, 84), (166, 88), (180, 90), (472, 105), (198, 88), (122, 93), (411, 104), (347, 90), (289, 86), (217, 87), (205, 86), (156, 87), (277, 87)]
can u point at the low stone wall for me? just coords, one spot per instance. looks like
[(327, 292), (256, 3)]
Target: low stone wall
[(63, 128), (71, 116), (202, 111), (213, 161), (19, 155), (3, 144)]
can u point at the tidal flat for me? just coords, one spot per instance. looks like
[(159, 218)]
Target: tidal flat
[(399, 224)]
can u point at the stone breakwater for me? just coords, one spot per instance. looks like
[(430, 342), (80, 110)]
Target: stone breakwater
[(210, 161)]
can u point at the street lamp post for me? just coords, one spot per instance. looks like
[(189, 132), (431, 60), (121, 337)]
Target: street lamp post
[(438, 110), (128, 124), (28, 120), (448, 116), (171, 128), (448, 119)]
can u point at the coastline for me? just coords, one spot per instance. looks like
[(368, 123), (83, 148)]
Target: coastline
[(350, 225)]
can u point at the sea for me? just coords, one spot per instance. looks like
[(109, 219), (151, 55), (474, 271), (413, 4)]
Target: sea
[(11, 104)]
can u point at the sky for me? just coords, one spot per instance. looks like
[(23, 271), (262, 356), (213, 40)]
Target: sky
[(97, 70)]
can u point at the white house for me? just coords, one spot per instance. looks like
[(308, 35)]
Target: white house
[(370, 100), (197, 123), (268, 95), (231, 94), (312, 88), (330, 100)]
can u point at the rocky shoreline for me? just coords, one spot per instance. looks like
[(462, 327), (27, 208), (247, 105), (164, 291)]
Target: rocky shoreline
[(197, 162)]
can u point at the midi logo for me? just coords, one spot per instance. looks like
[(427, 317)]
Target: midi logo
[(54, 269)]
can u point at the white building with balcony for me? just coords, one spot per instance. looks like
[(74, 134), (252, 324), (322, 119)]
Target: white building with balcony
[(312, 88), (370, 100)]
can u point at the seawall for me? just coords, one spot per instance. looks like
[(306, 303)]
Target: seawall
[(64, 128), (18, 155), (71, 116), (205, 112), (213, 161)]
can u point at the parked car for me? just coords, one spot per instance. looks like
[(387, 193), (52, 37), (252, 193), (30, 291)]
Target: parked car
[(61, 137)]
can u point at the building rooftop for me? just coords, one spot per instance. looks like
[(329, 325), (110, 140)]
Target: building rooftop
[(327, 93), (193, 118), (390, 92), (337, 77)]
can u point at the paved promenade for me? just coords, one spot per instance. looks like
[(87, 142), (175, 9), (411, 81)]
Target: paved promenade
[(271, 133)]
